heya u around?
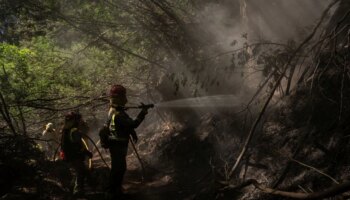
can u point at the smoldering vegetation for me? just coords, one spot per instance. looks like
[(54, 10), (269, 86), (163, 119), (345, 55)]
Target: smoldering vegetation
[(250, 96)]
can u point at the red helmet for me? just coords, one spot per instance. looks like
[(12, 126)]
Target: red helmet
[(117, 90), (72, 116)]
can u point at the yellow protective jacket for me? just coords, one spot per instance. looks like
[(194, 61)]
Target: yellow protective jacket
[(121, 126), (72, 144)]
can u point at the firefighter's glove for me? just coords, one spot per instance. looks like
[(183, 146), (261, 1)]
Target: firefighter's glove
[(142, 114), (144, 111)]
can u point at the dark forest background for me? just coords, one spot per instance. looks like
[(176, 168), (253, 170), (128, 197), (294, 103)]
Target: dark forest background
[(287, 62)]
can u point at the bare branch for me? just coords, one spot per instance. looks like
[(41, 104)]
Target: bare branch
[(315, 169), (277, 84), (330, 192)]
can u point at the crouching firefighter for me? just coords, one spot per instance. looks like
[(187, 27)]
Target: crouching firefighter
[(115, 136), (74, 151)]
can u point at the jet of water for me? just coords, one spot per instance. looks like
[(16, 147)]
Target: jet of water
[(203, 102)]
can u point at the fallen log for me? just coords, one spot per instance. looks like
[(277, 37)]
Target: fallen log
[(329, 192)]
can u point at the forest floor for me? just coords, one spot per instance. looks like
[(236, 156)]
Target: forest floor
[(135, 189), (177, 166), (155, 185), (57, 183)]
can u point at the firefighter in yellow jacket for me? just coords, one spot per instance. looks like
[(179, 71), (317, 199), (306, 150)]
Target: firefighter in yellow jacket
[(121, 127), (74, 151)]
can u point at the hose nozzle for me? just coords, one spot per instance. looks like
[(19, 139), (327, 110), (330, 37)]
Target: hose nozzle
[(146, 106)]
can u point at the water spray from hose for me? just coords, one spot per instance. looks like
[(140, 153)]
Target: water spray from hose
[(217, 101)]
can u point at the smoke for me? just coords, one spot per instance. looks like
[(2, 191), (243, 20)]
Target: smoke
[(225, 101), (277, 20), (232, 24), (283, 20)]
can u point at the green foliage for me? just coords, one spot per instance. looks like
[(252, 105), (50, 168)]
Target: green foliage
[(37, 74), (15, 72)]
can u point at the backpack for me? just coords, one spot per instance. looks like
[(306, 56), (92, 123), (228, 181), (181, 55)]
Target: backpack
[(69, 149), (104, 134)]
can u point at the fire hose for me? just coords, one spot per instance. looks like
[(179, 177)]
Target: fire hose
[(142, 106), (98, 151), (87, 148), (90, 160), (139, 159), (136, 153)]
